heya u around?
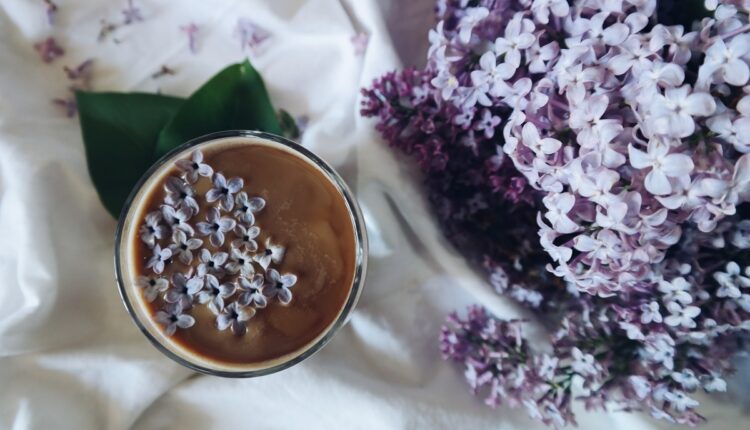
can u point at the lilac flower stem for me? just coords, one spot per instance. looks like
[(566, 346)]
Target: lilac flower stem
[(732, 33), (559, 104)]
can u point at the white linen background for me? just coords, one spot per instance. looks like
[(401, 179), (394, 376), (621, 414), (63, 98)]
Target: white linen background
[(70, 358)]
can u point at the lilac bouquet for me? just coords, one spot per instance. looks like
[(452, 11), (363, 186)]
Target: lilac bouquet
[(592, 157)]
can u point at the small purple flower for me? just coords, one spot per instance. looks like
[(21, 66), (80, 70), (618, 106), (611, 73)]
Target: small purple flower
[(464, 118), (235, 316), (216, 226), (152, 286), (180, 195), (731, 281), (214, 293), (446, 82), (583, 364), (278, 285), (177, 219), (191, 31), (224, 191), (681, 316), (472, 17), (49, 50), (271, 254), (680, 401), (678, 290), (560, 206), (250, 291), (183, 289), (173, 317), (246, 237), (159, 259), (131, 13), (640, 385), (153, 229), (250, 34), (487, 123), (663, 166), (246, 207), (212, 263), (686, 379), (182, 247), (650, 313), (715, 383), (194, 167), (240, 262)]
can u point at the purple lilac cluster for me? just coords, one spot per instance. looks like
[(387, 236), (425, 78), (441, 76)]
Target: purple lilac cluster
[(592, 156), (215, 262)]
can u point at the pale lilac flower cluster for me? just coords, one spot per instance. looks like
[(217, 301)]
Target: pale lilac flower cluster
[(204, 251), (628, 122)]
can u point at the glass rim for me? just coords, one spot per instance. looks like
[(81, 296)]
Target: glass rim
[(360, 263)]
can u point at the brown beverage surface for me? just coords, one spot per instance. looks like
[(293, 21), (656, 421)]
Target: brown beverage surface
[(307, 215)]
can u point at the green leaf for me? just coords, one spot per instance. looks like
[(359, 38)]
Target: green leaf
[(120, 132), (288, 125), (234, 99)]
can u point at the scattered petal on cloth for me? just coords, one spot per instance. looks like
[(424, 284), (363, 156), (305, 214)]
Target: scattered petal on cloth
[(71, 356), (49, 49), (51, 11), (191, 32), (359, 42)]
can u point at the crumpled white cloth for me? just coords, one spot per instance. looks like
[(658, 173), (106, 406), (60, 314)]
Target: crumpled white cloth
[(70, 358)]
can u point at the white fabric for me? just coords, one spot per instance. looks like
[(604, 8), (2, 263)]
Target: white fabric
[(70, 356)]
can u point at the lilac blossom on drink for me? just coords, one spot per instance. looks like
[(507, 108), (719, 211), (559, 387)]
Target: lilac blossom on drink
[(216, 226), (246, 237), (180, 195), (246, 207), (235, 316), (224, 191), (152, 286), (159, 258), (212, 263), (173, 316), (272, 253), (240, 262), (153, 229), (214, 293), (183, 289), (250, 291), (177, 218), (183, 246), (194, 167), (278, 285)]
